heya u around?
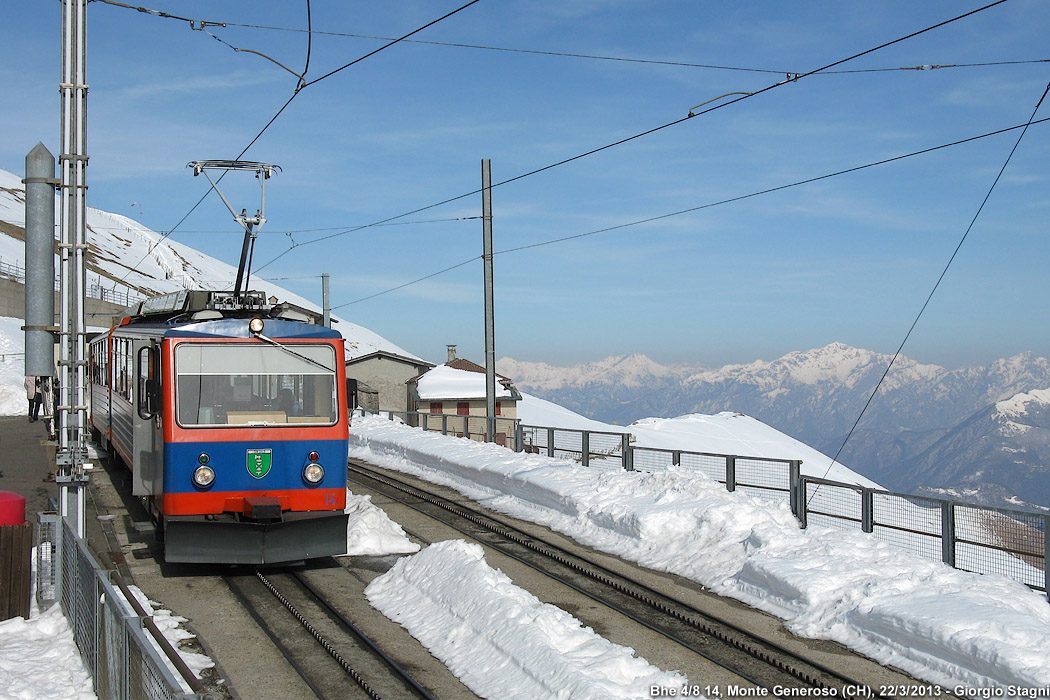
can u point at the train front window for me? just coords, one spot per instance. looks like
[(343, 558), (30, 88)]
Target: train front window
[(219, 384)]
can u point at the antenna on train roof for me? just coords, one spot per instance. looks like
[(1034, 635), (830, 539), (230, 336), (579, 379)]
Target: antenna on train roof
[(263, 171)]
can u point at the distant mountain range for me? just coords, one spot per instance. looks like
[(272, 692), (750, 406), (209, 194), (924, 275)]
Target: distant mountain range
[(978, 433)]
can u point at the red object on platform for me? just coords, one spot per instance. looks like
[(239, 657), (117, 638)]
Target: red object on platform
[(12, 508)]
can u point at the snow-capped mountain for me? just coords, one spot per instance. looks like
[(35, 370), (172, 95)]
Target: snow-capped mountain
[(623, 370), (1000, 455), (813, 395), (126, 257)]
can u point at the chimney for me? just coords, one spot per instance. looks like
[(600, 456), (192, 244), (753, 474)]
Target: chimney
[(451, 352)]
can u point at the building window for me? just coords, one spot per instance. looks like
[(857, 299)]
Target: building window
[(436, 407), (463, 408)]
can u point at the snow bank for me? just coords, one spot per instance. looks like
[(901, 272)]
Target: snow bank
[(500, 640), (370, 531), (944, 625), (39, 660), (12, 367)]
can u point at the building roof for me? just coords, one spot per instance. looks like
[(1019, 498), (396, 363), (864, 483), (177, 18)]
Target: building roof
[(383, 354), (468, 366), (445, 382)]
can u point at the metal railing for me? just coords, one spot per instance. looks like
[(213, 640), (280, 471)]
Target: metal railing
[(14, 272), (508, 430), (121, 297), (584, 446), (971, 537), (125, 662)]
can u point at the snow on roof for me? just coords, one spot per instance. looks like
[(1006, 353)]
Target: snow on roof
[(444, 382)]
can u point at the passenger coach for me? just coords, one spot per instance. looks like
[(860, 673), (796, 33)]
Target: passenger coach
[(233, 421)]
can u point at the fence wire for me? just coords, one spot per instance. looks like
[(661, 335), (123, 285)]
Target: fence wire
[(967, 536), (123, 660), (913, 524), (714, 466), (1011, 543), (833, 505)]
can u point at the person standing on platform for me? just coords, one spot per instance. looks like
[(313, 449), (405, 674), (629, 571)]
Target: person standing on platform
[(33, 394), (47, 404)]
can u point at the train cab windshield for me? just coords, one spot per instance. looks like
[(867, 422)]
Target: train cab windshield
[(223, 384)]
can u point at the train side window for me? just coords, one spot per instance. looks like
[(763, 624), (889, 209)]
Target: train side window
[(148, 383)]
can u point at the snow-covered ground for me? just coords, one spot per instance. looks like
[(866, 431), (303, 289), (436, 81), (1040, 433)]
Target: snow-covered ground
[(39, 659), (499, 639), (946, 626), (125, 256), (727, 433)]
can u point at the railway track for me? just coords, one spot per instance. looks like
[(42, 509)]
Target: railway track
[(756, 662), (333, 657)]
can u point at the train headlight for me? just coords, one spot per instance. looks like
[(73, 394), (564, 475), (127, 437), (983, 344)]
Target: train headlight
[(203, 476), (313, 473), (255, 325)]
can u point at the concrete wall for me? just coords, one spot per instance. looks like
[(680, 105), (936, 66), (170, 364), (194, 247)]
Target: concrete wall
[(387, 376), (13, 305)]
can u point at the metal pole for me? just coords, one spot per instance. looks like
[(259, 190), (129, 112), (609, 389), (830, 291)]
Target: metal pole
[(40, 262), (490, 333), (326, 304), (71, 411)]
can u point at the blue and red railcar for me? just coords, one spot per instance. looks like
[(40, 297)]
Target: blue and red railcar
[(233, 422)]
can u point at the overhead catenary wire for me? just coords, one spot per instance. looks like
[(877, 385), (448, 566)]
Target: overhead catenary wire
[(793, 78), (940, 279), (569, 54), (691, 114), (298, 88), (299, 230), (709, 205)]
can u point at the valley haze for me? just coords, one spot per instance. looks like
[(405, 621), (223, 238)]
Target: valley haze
[(973, 433)]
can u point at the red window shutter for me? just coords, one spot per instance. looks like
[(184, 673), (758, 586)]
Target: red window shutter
[(435, 407), (463, 408), (499, 409)]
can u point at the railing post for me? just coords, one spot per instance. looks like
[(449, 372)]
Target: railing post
[(550, 442), (519, 436), (948, 533), (803, 485), (444, 424), (866, 518), (627, 451), (794, 486), (586, 444), (1046, 555), (730, 472)]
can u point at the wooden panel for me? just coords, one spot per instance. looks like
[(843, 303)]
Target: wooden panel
[(16, 546), (241, 417)]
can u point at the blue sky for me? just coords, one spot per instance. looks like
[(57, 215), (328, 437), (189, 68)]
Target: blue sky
[(850, 258)]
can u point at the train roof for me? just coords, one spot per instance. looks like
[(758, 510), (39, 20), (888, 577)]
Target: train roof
[(238, 328), (211, 314)]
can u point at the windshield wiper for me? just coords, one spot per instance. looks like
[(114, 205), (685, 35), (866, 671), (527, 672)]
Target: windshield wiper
[(288, 350)]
